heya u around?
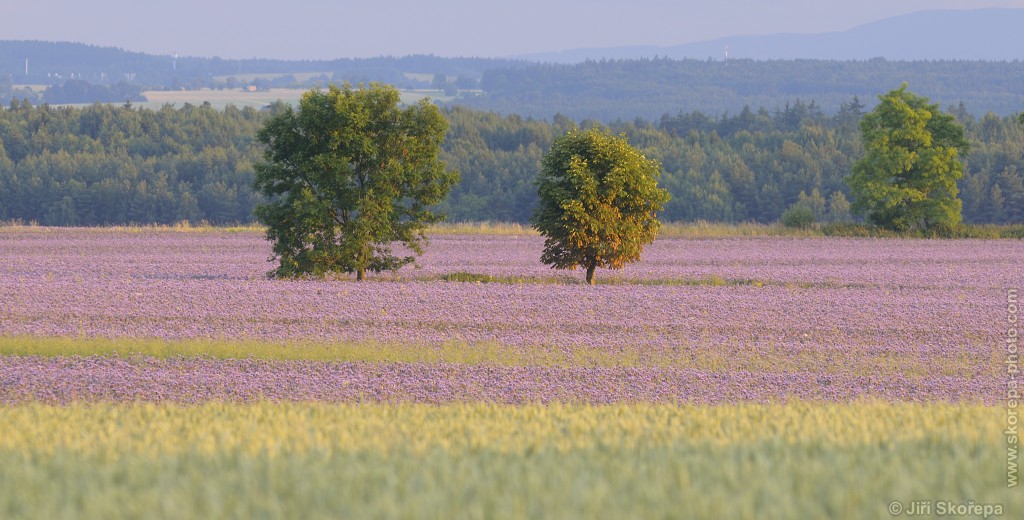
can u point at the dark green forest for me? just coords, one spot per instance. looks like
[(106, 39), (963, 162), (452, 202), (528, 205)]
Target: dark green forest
[(109, 164), (108, 72), (605, 90), (624, 89)]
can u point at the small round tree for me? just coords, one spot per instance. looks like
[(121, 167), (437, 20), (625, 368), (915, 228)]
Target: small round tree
[(907, 177), (599, 199)]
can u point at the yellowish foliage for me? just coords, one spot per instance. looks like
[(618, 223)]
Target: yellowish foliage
[(111, 431)]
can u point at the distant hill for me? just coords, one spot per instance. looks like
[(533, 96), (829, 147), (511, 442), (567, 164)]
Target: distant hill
[(605, 90), (981, 34), (53, 63), (624, 89)]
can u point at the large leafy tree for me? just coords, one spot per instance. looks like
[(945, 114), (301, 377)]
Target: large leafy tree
[(598, 204), (347, 175), (907, 177)]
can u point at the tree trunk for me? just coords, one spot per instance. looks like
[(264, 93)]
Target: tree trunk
[(360, 274), (590, 274)]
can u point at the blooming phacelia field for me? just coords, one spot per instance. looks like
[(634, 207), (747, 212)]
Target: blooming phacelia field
[(696, 383)]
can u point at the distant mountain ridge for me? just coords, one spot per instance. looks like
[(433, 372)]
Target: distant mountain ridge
[(980, 34)]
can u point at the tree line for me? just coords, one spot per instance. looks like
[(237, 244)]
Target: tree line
[(56, 64), (623, 89), (102, 164), (604, 90), (108, 164), (751, 166)]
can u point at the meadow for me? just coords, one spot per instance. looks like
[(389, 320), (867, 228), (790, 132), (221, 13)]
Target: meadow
[(158, 372)]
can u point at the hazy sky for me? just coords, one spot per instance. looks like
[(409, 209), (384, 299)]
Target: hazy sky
[(323, 29)]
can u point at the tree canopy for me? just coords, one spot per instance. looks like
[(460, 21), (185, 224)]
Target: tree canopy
[(908, 176), (599, 200), (106, 165), (348, 174), (610, 90)]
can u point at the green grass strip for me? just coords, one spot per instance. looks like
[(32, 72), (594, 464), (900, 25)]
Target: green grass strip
[(714, 358)]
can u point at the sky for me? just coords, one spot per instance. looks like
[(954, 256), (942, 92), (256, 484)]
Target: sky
[(324, 29)]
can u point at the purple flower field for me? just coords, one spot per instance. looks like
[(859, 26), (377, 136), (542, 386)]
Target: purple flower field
[(61, 381), (935, 305)]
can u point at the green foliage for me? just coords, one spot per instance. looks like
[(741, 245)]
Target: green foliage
[(194, 163), (798, 216), (809, 209), (814, 202), (713, 167), (499, 158), (80, 91), (908, 178), (743, 167), (611, 90), (598, 202), (463, 276), (105, 165), (838, 208), (348, 174)]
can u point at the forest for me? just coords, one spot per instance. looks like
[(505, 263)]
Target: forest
[(54, 64), (106, 164), (606, 90), (624, 89), (109, 164)]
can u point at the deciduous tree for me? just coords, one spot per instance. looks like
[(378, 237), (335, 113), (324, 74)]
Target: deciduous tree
[(598, 204), (348, 174), (907, 178)]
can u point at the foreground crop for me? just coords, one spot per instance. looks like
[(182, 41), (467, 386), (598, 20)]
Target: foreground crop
[(484, 461)]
